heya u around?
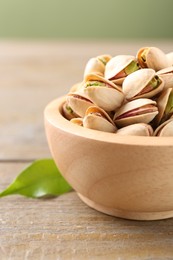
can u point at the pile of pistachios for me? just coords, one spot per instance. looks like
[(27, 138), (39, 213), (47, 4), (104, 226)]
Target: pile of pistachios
[(125, 95)]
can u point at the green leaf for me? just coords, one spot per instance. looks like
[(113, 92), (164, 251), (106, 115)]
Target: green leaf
[(41, 178)]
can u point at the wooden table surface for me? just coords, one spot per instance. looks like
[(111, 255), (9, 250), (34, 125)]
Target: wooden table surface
[(31, 75)]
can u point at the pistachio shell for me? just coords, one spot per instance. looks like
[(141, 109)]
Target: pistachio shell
[(169, 57), (137, 81), (165, 129), (116, 65), (139, 129), (154, 58), (77, 121), (97, 119), (68, 112), (97, 65), (78, 103), (94, 65), (108, 97), (162, 103), (141, 110), (104, 58), (118, 82), (95, 109), (167, 75), (96, 77)]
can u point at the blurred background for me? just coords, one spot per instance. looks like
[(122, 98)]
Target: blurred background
[(91, 19)]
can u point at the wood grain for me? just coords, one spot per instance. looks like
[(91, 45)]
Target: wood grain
[(31, 75), (113, 173), (65, 228)]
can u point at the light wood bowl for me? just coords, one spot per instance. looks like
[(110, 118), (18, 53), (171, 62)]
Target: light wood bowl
[(124, 176)]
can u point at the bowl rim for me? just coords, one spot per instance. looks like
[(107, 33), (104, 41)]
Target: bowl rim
[(53, 115)]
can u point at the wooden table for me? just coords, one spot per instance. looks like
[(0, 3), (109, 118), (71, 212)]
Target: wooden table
[(31, 75)]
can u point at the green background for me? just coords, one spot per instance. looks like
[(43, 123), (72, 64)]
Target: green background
[(86, 19)]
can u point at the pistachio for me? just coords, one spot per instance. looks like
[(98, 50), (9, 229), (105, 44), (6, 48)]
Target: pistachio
[(165, 106), (97, 119), (142, 83), (139, 129), (68, 112), (152, 57), (78, 103), (167, 76), (165, 129), (133, 94), (169, 106), (141, 110), (97, 65), (102, 92), (77, 121), (119, 67)]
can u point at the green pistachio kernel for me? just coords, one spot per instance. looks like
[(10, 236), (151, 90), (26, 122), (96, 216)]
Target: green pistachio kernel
[(94, 83), (155, 82), (169, 106), (69, 109), (132, 67)]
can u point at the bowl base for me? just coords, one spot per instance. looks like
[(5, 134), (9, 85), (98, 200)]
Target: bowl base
[(126, 214)]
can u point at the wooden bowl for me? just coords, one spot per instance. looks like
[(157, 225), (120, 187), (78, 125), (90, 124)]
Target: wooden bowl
[(124, 176)]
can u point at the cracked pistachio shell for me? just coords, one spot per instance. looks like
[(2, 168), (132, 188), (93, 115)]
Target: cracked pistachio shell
[(165, 129), (68, 113), (165, 106), (138, 84), (141, 110), (78, 103), (170, 58), (107, 95), (139, 129), (114, 69), (96, 65), (167, 76), (77, 121), (97, 119), (152, 57)]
